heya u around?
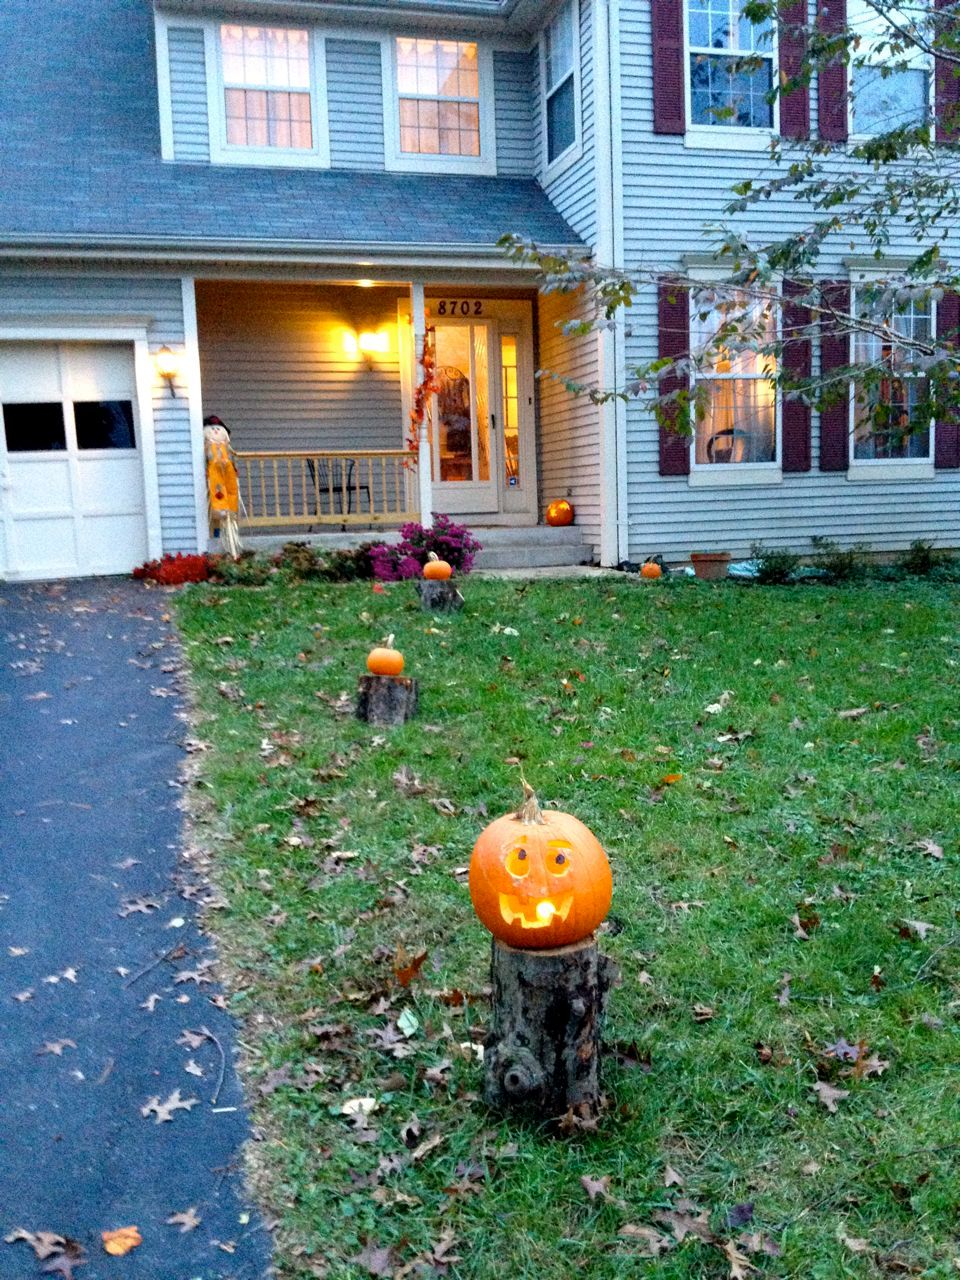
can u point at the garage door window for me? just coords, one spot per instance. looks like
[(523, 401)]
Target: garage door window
[(104, 424), (34, 428)]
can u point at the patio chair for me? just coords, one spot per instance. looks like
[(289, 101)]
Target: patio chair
[(335, 474)]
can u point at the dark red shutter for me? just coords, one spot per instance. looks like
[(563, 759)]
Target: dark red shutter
[(796, 358), (795, 105), (832, 96), (835, 354), (946, 435), (947, 90), (673, 312), (668, 92)]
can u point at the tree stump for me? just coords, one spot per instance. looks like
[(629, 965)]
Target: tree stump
[(439, 596), (543, 1049), (387, 700)]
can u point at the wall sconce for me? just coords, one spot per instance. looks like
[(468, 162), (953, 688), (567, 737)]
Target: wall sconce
[(368, 343), (168, 366)]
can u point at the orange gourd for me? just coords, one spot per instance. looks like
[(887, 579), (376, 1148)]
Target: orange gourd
[(559, 513), (437, 570), (385, 660), (651, 570), (539, 879)]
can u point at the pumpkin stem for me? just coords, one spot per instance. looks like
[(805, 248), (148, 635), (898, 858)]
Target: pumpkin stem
[(530, 811), (432, 555), (388, 643)]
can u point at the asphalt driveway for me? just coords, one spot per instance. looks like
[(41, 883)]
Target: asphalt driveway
[(107, 1006)]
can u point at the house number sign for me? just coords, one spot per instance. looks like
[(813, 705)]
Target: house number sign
[(460, 307)]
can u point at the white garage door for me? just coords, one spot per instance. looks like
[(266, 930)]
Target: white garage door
[(71, 478)]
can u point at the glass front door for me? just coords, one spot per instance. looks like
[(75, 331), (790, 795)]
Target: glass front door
[(466, 469)]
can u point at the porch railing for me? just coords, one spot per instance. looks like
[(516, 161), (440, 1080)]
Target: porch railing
[(303, 487)]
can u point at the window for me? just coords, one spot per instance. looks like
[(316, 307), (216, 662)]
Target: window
[(883, 414), (739, 425), (889, 90), (438, 83), (559, 70), (34, 428), (104, 424), (510, 408), (730, 65), (268, 102)]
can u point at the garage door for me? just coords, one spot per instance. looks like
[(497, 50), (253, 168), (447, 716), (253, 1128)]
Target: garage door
[(71, 478)]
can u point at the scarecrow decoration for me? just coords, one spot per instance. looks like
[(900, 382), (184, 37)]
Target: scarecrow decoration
[(223, 493)]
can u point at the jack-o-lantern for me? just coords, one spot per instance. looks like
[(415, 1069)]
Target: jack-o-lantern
[(437, 570), (385, 660), (539, 879), (560, 513)]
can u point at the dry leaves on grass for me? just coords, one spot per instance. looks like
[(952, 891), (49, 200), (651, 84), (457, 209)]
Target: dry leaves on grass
[(599, 1188), (828, 1096), (650, 1242)]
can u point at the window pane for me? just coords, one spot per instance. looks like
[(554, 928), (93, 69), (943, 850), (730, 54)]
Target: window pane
[(439, 128), (34, 428), (454, 403), (898, 101), (561, 120), (723, 94), (752, 324), (104, 424), (257, 118), (558, 47), (265, 57), (510, 409), (882, 421), (740, 423)]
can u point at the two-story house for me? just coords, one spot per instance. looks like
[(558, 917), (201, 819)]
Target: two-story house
[(258, 208)]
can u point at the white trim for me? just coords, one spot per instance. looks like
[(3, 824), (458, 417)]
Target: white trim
[(727, 137), (727, 474), (194, 393), (418, 312), (608, 369), (72, 330), (397, 161), (164, 89), (552, 169), (145, 378), (221, 152), (884, 470)]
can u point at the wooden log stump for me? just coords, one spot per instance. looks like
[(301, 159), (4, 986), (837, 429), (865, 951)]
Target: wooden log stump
[(439, 596), (387, 700), (543, 1049)]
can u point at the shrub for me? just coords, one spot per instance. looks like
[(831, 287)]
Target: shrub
[(451, 542), (774, 567), (248, 570), (837, 564), (174, 570), (922, 559), (349, 565), (300, 560)]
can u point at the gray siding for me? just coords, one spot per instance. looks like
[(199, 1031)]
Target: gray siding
[(573, 192), (52, 297), (275, 369), (671, 192), (188, 94), (514, 84), (355, 104), (569, 442)]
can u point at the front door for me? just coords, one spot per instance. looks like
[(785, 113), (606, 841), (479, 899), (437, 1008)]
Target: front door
[(466, 469)]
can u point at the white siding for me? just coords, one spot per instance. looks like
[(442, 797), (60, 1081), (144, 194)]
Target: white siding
[(159, 301), (275, 369), (188, 94), (671, 193), (355, 104), (569, 440), (514, 83), (573, 192)]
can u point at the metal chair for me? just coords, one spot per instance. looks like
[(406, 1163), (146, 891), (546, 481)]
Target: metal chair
[(330, 478)]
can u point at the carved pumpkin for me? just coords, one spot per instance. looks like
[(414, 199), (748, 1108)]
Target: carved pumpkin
[(385, 660), (559, 512), (539, 879), (651, 570), (437, 570)]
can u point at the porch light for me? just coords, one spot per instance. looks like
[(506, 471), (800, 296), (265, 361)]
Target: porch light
[(371, 343), (167, 364)]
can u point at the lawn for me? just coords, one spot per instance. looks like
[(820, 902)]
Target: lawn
[(785, 917)]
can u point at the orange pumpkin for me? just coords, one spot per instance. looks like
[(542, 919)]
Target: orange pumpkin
[(385, 660), (559, 512), (651, 570), (539, 879), (437, 570)]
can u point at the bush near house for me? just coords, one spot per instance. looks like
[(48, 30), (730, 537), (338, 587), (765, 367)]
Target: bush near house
[(450, 541)]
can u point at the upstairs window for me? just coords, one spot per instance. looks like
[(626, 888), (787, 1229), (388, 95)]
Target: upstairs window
[(438, 84), (890, 90), (560, 56), (884, 415), (731, 65), (267, 88)]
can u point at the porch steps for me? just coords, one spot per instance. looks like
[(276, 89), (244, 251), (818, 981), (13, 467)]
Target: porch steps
[(537, 547)]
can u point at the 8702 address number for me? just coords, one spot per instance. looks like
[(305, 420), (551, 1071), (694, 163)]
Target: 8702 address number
[(460, 307)]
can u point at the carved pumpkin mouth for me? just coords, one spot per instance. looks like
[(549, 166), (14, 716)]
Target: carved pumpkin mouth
[(543, 913)]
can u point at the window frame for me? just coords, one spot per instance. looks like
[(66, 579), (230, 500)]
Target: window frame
[(727, 137), (398, 161), (551, 169), (854, 138), (882, 469), (721, 475), (223, 152)]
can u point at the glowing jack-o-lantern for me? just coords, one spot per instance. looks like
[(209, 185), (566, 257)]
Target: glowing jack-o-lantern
[(539, 879)]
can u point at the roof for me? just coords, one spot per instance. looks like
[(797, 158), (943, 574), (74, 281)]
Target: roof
[(80, 161)]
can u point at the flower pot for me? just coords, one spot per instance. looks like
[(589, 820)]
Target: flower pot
[(711, 566)]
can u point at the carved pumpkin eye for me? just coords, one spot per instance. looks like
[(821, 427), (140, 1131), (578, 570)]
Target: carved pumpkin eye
[(558, 857), (518, 863)]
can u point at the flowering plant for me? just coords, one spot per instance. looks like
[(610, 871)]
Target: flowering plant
[(173, 570), (451, 542)]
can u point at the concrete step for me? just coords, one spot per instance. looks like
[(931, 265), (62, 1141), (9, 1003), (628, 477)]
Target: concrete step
[(527, 536), (534, 556)]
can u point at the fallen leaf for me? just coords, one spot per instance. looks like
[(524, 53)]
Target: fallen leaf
[(740, 1264), (193, 1068), (57, 1047), (193, 1039), (671, 1178), (756, 1242), (852, 713), (376, 1261), (653, 1243), (740, 1214), (682, 1223), (164, 1110), (829, 1096), (425, 1147), (406, 968), (22, 996), (133, 906), (360, 1107), (186, 1220), (121, 1240), (703, 1013), (931, 847), (714, 708), (920, 928), (595, 1187), (853, 1243), (43, 1243), (64, 1264)]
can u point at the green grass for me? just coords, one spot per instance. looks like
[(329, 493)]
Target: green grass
[(601, 694)]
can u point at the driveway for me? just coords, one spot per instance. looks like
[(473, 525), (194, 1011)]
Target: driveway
[(110, 1018)]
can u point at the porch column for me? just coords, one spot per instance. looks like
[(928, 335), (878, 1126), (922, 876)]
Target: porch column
[(424, 461)]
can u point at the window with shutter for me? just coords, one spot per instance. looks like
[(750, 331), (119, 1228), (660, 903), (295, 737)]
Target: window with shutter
[(673, 316), (832, 102), (560, 78)]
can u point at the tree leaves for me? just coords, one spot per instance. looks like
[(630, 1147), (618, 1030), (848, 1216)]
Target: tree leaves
[(828, 1096), (186, 1220), (163, 1111), (120, 1240)]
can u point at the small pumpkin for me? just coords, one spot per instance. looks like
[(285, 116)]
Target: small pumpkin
[(559, 513), (385, 660), (539, 879), (651, 570), (437, 570)]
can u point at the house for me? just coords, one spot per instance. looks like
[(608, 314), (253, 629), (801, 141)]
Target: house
[(258, 208)]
